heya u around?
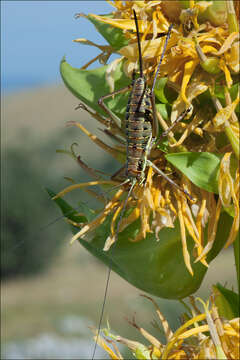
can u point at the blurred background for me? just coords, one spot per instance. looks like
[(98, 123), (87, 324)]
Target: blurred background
[(51, 292)]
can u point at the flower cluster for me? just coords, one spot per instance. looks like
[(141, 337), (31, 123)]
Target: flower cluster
[(200, 67), (202, 336)]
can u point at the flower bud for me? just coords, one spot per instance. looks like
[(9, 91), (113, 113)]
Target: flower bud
[(211, 65), (215, 13)]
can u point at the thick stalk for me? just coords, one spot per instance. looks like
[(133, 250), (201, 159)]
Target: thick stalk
[(234, 141), (232, 19), (236, 255)]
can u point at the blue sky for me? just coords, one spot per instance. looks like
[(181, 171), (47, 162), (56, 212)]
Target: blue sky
[(36, 35)]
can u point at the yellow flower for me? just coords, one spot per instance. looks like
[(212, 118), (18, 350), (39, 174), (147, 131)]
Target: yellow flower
[(181, 56), (229, 193), (204, 336), (159, 203), (214, 48)]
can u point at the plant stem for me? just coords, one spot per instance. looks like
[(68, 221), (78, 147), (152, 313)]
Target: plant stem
[(233, 140), (232, 19), (236, 256)]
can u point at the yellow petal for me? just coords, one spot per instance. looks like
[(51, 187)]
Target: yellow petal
[(226, 71), (208, 48), (150, 49), (232, 58), (194, 89), (228, 43), (124, 24), (103, 345), (111, 68), (176, 335), (224, 114), (188, 71), (100, 219), (82, 185), (194, 331), (213, 232), (186, 255)]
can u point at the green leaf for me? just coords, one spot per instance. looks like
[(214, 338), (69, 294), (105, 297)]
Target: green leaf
[(162, 109), (201, 168), (234, 90), (67, 210), (227, 302), (90, 85), (156, 267), (163, 146), (219, 93), (114, 36), (230, 210), (216, 13), (224, 227), (159, 90)]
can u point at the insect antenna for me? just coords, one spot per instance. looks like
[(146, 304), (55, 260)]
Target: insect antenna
[(162, 55), (139, 45), (110, 269)]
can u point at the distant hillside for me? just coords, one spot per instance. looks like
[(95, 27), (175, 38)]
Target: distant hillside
[(42, 113), (33, 128), (33, 117)]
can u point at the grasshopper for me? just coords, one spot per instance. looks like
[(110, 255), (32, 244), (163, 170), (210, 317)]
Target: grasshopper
[(141, 124), (141, 131)]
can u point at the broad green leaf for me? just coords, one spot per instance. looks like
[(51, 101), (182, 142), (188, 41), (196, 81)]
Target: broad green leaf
[(114, 36), (227, 302), (90, 85), (89, 213), (156, 267), (201, 168)]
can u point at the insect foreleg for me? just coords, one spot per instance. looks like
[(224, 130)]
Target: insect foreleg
[(181, 116), (114, 117)]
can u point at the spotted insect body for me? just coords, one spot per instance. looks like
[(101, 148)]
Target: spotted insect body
[(138, 130)]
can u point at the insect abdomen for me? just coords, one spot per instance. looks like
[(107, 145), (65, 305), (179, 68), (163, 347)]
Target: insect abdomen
[(138, 129)]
